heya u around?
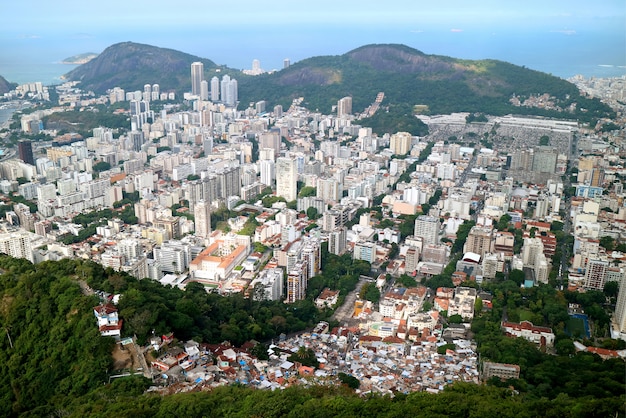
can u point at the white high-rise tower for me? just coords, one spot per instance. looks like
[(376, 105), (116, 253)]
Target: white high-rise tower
[(197, 74), (286, 178), (215, 89), (202, 218)]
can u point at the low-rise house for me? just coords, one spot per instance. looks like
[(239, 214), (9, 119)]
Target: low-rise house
[(543, 336), (327, 299), (109, 323)]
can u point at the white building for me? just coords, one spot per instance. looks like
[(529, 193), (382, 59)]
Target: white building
[(268, 285), (286, 178)]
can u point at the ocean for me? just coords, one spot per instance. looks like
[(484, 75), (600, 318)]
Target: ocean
[(560, 53)]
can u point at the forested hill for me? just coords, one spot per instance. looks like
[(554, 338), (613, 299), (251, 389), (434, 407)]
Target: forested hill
[(407, 76), (131, 65), (410, 77), (53, 362)]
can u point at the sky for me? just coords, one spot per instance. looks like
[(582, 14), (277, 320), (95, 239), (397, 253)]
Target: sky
[(234, 33)]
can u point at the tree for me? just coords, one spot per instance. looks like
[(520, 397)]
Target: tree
[(455, 319), (611, 289), (307, 191), (503, 222), (556, 226), (607, 242), (312, 213), (101, 166), (349, 380), (517, 276), (370, 292)]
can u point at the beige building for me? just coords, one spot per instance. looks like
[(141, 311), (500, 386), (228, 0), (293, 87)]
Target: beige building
[(400, 143)]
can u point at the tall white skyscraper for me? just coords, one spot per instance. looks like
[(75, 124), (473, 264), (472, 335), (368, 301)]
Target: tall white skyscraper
[(204, 90), (267, 169), (286, 178), (202, 218), (229, 91), (215, 89), (197, 74), (224, 86)]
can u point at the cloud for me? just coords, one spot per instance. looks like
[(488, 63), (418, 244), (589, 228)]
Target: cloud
[(456, 30), (416, 31), (567, 32), (30, 36)]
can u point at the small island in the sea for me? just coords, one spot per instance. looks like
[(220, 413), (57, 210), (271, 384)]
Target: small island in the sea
[(80, 58)]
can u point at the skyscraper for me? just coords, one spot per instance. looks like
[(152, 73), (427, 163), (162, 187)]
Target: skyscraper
[(229, 91), (224, 86), (267, 169), (25, 150), (197, 74), (619, 319), (202, 218), (204, 90), (286, 178), (344, 106), (215, 89)]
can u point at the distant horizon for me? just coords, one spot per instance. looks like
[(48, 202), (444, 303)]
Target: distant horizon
[(49, 68)]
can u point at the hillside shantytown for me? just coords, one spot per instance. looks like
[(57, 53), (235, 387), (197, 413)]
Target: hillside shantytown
[(248, 198)]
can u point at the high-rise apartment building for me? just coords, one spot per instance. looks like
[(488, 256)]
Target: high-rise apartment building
[(479, 240), (215, 89), (268, 174), (229, 182), (286, 178), (595, 274), (344, 106), (427, 227), (204, 90), (229, 91), (25, 150), (337, 241), (619, 318), (202, 218), (16, 244), (296, 282), (400, 143), (197, 75), (270, 140)]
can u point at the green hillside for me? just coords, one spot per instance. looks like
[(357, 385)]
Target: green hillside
[(131, 65), (53, 362), (407, 76)]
